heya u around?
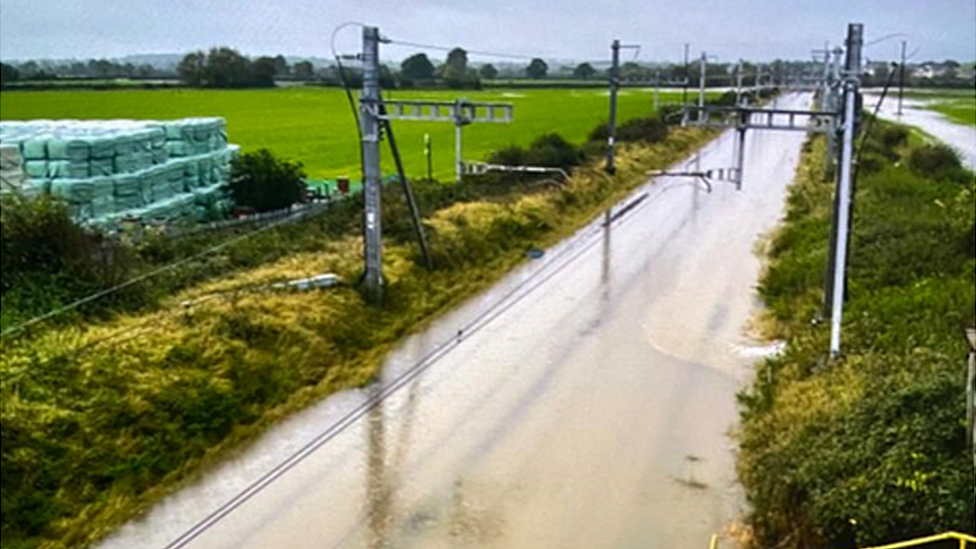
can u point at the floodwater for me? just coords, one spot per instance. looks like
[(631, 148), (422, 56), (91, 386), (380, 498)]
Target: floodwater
[(584, 402), (958, 136)]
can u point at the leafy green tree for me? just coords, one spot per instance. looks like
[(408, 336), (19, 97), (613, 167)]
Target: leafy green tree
[(584, 71), (537, 69), (226, 68), (417, 67), (263, 71), (633, 71), (281, 67), (303, 70), (8, 75), (456, 67), (263, 182), (488, 72), (191, 69)]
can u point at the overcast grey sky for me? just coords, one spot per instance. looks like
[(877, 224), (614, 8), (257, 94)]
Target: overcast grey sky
[(571, 29)]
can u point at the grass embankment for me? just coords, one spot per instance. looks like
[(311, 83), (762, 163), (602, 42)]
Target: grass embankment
[(869, 449), (94, 433), (315, 125)]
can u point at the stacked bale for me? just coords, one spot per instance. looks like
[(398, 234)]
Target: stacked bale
[(121, 169), (12, 176)]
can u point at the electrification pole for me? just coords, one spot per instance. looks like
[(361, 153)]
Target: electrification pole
[(738, 83), (701, 83), (855, 39), (901, 78), (459, 123), (657, 91), (684, 100), (372, 186), (614, 87)]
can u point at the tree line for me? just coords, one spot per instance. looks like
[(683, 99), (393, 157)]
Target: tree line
[(91, 69)]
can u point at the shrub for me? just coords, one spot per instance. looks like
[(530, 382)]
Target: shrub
[(670, 114), (938, 161), (263, 182), (647, 130), (894, 136), (509, 156), (46, 258), (552, 151), (871, 448)]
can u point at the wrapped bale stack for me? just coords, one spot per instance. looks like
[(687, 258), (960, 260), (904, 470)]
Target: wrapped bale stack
[(12, 176), (117, 170)]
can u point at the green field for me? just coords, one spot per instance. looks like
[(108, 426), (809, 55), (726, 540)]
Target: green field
[(962, 111), (957, 105), (315, 126)]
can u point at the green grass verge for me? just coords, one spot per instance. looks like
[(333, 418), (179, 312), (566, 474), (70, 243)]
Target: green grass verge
[(93, 435), (957, 105), (869, 449), (315, 125), (962, 111)]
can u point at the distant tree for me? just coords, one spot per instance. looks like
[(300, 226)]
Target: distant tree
[(417, 67), (633, 71), (191, 68), (281, 67), (456, 67), (488, 72), (263, 182), (584, 71), (29, 70), (387, 78), (8, 75), (303, 70), (103, 68), (537, 69), (263, 71), (226, 68)]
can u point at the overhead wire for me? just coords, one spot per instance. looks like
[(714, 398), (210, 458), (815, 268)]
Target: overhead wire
[(481, 53)]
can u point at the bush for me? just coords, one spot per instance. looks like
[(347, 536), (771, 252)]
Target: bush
[(937, 160), (670, 114), (509, 156), (46, 258), (644, 130), (552, 151), (869, 449), (894, 136), (262, 182)]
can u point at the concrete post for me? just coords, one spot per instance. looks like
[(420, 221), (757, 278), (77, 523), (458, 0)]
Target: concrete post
[(373, 185), (701, 83), (855, 39), (614, 87), (901, 78)]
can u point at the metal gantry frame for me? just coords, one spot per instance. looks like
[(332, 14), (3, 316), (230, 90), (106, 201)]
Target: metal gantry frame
[(460, 112), (833, 117)]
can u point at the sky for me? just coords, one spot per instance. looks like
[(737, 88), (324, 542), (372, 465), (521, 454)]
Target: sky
[(759, 30)]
